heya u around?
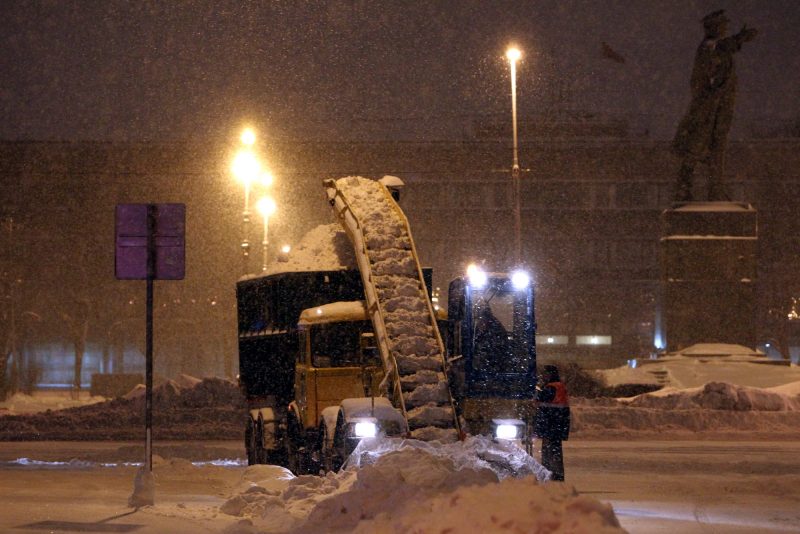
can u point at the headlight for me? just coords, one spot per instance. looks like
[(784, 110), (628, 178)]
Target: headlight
[(477, 278), (366, 429), (506, 432), (520, 279)]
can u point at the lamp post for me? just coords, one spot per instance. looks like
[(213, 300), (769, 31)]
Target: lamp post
[(266, 207), (247, 169), (513, 54)]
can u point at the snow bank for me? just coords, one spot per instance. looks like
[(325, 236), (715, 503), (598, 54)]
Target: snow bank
[(719, 396), (20, 403), (409, 486), (715, 408), (630, 422), (210, 408), (703, 363), (792, 389)]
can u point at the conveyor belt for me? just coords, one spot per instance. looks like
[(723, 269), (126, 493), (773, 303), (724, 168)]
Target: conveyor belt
[(405, 327)]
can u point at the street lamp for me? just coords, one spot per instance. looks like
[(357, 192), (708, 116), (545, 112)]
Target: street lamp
[(266, 207), (247, 169), (513, 54)]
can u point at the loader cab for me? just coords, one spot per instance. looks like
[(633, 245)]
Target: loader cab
[(492, 336), (337, 359)]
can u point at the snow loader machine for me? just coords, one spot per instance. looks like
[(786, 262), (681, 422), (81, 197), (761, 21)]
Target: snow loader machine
[(490, 333), (327, 358)]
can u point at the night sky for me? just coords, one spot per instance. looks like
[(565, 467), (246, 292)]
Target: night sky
[(168, 70)]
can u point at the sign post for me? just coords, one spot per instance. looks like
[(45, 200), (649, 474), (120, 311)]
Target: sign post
[(149, 246)]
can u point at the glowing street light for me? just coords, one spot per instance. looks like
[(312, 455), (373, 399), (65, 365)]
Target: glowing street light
[(247, 169), (266, 207), (513, 54), (248, 137)]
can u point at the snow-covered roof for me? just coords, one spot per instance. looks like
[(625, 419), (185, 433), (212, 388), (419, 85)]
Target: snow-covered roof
[(335, 312)]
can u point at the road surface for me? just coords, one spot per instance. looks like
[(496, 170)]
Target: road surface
[(654, 487)]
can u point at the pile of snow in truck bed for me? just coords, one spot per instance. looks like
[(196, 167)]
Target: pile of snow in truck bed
[(324, 248), (409, 486)]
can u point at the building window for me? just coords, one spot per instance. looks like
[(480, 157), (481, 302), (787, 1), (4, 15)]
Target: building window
[(542, 339), (593, 340)]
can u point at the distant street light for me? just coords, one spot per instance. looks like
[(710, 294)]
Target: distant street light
[(266, 207), (513, 54), (247, 169)]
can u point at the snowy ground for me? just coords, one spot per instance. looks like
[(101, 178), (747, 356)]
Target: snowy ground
[(709, 456), (677, 486)]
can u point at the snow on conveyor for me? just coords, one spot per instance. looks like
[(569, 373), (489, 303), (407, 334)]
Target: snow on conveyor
[(411, 349)]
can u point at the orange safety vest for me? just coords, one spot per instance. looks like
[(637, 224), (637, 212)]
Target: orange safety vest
[(561, 398)]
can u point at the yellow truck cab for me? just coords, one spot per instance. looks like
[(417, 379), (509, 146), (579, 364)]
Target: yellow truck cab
[(337, 359)]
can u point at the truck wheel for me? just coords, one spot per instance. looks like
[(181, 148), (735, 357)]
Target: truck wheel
[(295, 452), (259, 452), (250, 441), (328, 453), (340, 441)]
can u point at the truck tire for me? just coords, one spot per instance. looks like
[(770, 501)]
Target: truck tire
[(330, 458), (250, 441), (259, 452), (296, 451)]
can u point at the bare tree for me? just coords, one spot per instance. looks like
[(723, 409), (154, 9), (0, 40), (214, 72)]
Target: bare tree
[(77, 320)]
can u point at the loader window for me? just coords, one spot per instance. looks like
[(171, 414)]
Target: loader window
[(495, 346), (338, 344)]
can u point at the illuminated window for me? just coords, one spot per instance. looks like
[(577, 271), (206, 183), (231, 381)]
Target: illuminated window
[(593, 340), (551, 340)]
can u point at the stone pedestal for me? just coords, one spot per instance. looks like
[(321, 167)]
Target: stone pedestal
[(708, 273)]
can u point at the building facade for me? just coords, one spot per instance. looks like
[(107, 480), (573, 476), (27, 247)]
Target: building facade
[(591, 207)]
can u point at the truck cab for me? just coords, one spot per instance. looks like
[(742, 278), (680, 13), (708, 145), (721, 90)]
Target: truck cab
[(337, 359)]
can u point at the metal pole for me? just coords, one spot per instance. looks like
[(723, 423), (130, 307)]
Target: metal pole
[(515, 168), (265, 242), (515, 164), (151, 268), (246, 229)]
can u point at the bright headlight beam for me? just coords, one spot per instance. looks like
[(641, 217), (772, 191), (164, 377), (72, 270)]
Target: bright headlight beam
[(506, 432), (520, 279), (366, 430), (477, 278)]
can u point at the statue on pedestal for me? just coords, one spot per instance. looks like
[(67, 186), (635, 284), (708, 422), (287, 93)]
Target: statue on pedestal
[(703, 132)]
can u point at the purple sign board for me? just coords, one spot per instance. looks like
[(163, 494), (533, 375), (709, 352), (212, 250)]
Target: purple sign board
[(150, 241)]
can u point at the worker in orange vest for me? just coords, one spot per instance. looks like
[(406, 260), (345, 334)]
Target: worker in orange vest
[(552, 419)]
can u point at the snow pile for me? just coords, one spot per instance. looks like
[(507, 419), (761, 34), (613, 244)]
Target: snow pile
[(20, 403), (700, 364), (212, 408), (719, 396), (324, 248), (719, 349), (792, 389), (717, 408), (409, 486)]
